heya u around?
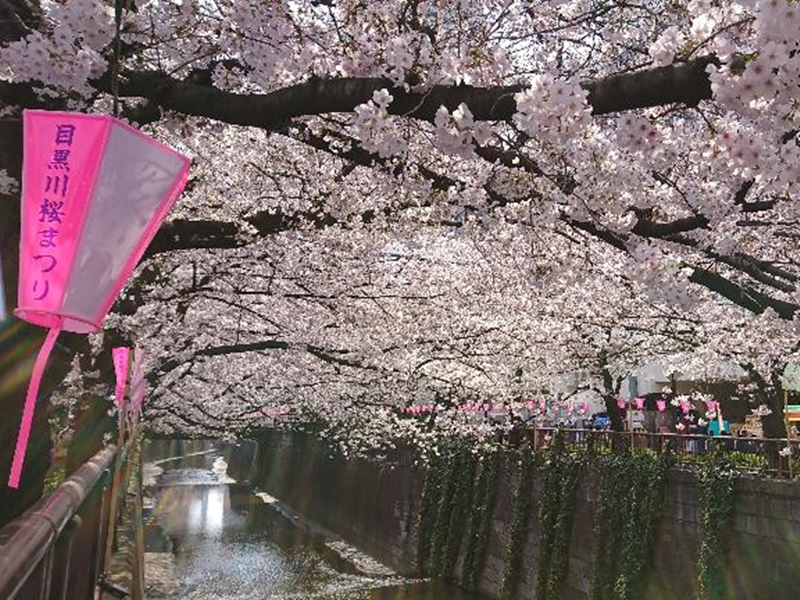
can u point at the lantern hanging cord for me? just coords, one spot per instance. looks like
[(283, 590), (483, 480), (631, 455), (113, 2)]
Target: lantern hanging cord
[(117, 52), (30, 405)]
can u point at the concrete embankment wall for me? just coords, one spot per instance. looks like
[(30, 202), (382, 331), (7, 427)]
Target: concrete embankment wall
[(376, 507)]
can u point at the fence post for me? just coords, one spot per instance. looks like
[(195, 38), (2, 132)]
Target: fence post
[(115, 487), (83, 565), (63, 559)]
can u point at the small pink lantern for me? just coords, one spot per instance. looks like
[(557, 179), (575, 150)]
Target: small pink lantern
[(685, 407), (94, 193), (585, 407), (661, 405), (621, 403), (639, 403), (120, 356)]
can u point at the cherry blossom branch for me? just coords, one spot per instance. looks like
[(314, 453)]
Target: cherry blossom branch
[(684, 83)]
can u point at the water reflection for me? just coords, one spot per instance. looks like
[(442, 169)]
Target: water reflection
[(229, 545)]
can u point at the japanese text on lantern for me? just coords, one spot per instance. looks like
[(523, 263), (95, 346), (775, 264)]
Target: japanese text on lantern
[(51, 209)]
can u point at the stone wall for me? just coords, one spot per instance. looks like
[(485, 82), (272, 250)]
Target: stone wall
[(370, 505), (375, 507)]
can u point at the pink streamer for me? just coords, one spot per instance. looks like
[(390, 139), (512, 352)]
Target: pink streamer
[(30, 406)]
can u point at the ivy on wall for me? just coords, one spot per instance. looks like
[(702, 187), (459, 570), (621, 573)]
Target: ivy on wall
[(446, 497), (432, 490), (481, 522), (629, 509), (443, 515), (457, 503), (562, 469), (519, 524), (716, 478), (631, 490)]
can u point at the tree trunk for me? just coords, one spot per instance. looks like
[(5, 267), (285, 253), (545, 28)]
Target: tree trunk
[(614, 413)]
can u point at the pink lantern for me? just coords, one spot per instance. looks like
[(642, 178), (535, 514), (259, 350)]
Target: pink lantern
[(94, 193), (120, 357), (661, 405), (685, 407), (541, 404), (639, 403), (585, 407), (621, 403)]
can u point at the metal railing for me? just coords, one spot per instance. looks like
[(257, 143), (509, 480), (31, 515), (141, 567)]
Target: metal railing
[(779, 457), (54, 550)]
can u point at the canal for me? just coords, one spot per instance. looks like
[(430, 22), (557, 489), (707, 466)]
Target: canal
[(225, 541)]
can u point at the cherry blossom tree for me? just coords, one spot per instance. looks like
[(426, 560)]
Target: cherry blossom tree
[(435, 201)]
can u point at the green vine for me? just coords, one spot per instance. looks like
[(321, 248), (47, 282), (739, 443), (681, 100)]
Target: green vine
[(432, 490), (481, 522), (446, 496), (630, 507), (562, 469), (716, 480), (519, 525), (460, 500), (446, 507)]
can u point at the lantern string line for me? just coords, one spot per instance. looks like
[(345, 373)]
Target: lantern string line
[(117, 51), (30, 406)]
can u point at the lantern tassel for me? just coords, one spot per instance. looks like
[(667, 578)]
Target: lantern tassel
[(30, 406)]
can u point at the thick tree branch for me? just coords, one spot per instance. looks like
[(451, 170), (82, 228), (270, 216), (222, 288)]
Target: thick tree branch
[(743, 295), (685, 83)]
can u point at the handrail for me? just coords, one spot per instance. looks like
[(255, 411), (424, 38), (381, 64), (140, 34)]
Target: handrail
[(26, 541), (779, 456)]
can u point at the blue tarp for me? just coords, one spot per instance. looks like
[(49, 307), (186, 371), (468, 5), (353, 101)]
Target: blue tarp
[(713, 427)]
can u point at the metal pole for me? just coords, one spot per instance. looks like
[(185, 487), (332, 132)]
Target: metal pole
[(138, 533), (786, 427), (115, 485), (75, 525)]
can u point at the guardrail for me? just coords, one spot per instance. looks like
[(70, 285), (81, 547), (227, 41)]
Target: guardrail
[(54, 550), (778, 457)]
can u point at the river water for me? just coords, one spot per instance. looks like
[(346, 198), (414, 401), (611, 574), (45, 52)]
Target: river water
[(229, 544)]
